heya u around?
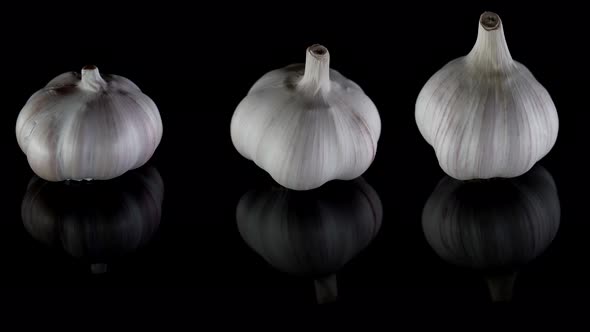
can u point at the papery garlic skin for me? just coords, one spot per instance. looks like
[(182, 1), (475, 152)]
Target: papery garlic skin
[(88, 126), (485, 114), (307, 124)]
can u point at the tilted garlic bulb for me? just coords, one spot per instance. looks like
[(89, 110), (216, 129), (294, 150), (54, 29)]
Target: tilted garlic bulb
[(307, 124), (88, 126), (485, 114)]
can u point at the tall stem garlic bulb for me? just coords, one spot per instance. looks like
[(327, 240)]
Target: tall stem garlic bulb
[(88, 126), (307, 124), (485, 114)]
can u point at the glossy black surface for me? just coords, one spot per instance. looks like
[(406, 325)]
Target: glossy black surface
[(202, 220)]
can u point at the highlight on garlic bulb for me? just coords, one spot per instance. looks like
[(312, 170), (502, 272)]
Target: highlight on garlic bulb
[(96, 221), (485, 114), (88, 126), (312, 233), (495, 226), (307, 124)]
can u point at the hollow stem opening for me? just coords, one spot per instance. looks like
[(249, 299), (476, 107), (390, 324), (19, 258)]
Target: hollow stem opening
[(490, 21)]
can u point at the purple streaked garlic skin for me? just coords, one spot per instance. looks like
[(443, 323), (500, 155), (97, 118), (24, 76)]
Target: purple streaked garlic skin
[(88, 126), (484, 114)]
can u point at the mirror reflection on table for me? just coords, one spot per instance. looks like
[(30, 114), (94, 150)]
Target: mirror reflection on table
[(311, 234), (95, 221), (493, 226)]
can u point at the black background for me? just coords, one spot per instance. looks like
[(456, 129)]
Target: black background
[(197, 63)]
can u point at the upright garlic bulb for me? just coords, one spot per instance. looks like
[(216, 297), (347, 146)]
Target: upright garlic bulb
[(307, 124), (88, 126), (484, 114)]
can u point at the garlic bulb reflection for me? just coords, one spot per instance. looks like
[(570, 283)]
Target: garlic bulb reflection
[(88, 126), (307, 124), (97, 221), (485, 114), (313, 233), (496, 224)]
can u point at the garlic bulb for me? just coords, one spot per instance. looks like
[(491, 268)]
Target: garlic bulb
[(88, 126), (307, 124), (485, 114), (494, 225), (313, 233), (95, 221)]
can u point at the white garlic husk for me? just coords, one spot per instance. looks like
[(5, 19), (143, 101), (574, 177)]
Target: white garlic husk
[(307, 124), (485, 114), (88, 126)]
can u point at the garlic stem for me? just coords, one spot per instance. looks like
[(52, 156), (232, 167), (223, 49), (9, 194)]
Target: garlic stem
[(490, 50), (91, 79), (316, 77)]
